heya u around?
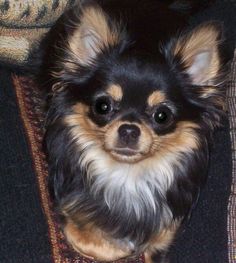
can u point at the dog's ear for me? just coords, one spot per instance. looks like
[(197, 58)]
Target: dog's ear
[(93, 35), (89, 34), (197, 54)]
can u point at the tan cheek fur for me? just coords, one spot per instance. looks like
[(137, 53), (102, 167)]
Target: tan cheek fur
[(83, 124), (183, 139), (106, 136)]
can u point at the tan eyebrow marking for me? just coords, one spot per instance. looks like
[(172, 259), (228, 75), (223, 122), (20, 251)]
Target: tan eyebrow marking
[(115, 91), (155, 98)]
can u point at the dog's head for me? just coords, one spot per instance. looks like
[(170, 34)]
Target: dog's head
[(132, 105)]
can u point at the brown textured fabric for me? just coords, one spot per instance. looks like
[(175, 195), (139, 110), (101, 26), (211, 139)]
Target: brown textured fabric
[(22, 25), (30, 13), (231, 98), (15, 44), (30, 105)]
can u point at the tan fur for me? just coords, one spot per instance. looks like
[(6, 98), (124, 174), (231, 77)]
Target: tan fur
[(161, 242), (203, 38), (156, 98), (148, 257), (213, 94), (106, 137), (80, 119), (150, 146), (93, 243), (183, 139), (94, 22), (115, 91), (95, 19)]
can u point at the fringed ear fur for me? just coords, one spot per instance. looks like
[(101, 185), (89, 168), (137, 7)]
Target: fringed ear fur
[(92, 36), (90, 33), (198, 53)]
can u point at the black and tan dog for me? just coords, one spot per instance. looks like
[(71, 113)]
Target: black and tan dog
[(132, 105)]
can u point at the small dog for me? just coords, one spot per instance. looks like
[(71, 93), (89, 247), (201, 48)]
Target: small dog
[(132, 106)]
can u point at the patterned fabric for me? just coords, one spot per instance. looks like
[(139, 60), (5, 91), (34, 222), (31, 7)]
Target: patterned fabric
[(22, 24), (231, 98), (30, 105), (30, 13)]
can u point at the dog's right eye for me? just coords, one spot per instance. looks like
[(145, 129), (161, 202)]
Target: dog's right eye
[(162, 116), (103, 106)]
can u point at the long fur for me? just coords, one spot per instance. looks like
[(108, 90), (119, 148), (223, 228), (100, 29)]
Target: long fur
[(142, 51)]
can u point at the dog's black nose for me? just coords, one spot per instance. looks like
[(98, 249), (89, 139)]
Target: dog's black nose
[(128, 134)]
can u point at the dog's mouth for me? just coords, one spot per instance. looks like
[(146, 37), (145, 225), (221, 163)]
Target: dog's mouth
[(125, 151), (126, 155)]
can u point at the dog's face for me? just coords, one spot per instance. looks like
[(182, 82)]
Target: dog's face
[(133, 106), (135, 119)]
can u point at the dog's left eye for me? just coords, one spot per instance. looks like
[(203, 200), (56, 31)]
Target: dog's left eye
[(102, 106), (162, 115)]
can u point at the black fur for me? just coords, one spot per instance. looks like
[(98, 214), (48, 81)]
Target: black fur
[(141, 63)]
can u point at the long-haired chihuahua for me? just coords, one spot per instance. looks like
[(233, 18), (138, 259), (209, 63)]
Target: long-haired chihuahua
[(132, 105)]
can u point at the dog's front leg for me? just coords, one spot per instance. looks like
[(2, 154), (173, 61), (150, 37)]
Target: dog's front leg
[(92, 243)]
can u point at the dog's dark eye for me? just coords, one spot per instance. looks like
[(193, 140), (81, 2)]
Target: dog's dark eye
[(103, 106), (162, 115)]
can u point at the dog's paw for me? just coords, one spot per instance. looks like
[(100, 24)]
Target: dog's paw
[(90, 243), (158, 257)]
